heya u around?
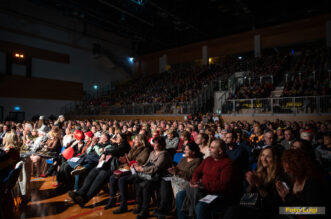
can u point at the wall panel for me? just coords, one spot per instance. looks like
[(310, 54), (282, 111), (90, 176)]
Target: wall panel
[(39, 88)]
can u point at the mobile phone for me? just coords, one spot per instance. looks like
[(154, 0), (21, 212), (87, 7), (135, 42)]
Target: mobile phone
[(286, 186)]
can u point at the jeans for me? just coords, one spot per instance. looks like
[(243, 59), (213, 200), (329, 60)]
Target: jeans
[(73, 165), (180, 197)]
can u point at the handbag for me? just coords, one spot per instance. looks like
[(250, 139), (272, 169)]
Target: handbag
[(148, 177), (121, 171), (68, 153), (252, 200)]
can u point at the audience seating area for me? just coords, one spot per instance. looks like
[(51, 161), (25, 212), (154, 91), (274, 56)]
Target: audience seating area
[(171, 162), (300, 71)]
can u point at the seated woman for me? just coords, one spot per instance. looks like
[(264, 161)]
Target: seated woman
[(171, 141), (67, 138), (262, 182), (308, 188), (9, 155), (97, 177), (28, 139), (202, 140), (185, 138), (53, 144), (156, 166), (38, 145), (139, 153), (182, 173)]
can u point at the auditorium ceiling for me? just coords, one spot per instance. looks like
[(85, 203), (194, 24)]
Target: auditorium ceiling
[(154, 25)]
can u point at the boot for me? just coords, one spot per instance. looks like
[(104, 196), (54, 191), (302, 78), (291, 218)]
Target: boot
[(137, 210), (121, 209), (143, 214), (111, 203)]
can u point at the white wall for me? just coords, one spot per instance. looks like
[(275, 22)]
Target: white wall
[(25, 23), (32, 107)]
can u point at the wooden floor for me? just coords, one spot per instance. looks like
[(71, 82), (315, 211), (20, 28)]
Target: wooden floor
[(46, 203)]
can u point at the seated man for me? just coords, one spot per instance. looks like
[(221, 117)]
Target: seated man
[(216, 175)]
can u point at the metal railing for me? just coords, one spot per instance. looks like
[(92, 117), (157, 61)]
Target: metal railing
[(283, 105), (198, 104), (156, 108)]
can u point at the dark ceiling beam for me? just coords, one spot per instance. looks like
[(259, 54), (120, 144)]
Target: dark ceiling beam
[(125, 12)]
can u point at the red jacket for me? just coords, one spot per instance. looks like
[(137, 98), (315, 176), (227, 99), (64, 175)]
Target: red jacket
[(218, 177)]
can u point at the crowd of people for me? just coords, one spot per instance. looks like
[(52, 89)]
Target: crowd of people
[(306, 71), (253, 90), (307, 67), (306, 87), (281, 163), (309, 74)]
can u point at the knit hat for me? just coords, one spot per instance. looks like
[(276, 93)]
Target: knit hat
[(78, 135), (89, 134)]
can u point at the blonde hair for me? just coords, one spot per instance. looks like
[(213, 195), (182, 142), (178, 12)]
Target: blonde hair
[(11, 140), (274, 167), (117, 131), (171, 131), (55, 132), (141, 139)]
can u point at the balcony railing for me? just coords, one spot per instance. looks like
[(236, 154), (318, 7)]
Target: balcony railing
[(283, 105)]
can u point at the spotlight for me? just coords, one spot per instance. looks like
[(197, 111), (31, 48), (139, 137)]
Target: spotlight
[(17, 108), (18, 55), (240, 57), (131, 59), (95, 87)]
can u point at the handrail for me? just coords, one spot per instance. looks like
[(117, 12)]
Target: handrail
[(279, 98), (280, 105)]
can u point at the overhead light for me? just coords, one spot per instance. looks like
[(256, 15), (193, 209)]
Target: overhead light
[(18, 55)]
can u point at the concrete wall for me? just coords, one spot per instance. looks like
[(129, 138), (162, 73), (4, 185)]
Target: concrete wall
[(33, 107)]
